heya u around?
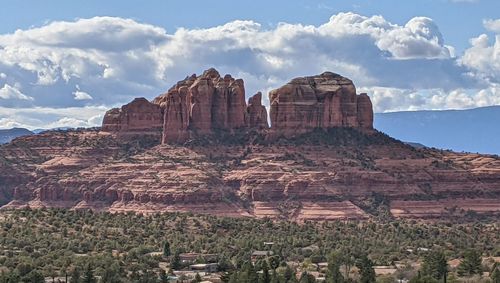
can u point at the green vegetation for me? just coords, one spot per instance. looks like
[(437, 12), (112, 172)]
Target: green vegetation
[(102, 247)]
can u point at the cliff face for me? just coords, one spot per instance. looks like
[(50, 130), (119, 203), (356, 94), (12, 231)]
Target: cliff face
[(323, 179), (138, 117), (201, 105), (325, 101), (331, 164)]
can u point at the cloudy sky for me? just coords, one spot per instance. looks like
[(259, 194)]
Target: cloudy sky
[(65, 63)]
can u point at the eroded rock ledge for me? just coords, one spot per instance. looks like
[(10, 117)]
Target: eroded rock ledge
[(201, 105)]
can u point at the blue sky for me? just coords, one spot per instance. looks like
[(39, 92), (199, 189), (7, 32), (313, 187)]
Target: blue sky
[(458, 20), (63, 63)]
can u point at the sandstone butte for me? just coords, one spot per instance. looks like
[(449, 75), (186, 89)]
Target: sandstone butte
[(208, 104), (201, 147)]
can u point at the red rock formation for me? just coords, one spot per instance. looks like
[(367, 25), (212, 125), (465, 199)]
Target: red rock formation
[(138, 117), (275, 180), (324, 101), (200, 105), (256, 113), (176, 119), (365, 112)]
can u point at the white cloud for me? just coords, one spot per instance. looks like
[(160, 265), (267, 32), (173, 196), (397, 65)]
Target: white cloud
[(10, 92), (113, 60), (394, 99), (46, 118), (484, 58), (81, 95), (492, 25)]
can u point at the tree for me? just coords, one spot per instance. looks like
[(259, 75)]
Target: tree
[(289, 274), (75, 275), (274, 262), (163, 276), (233, 278), (265, 278), (51, 272), (248, 274), (88, 276), (197, 278), (176, 261), (367, 273), (225, 277), (424, 279), (274, 277), (495, 273), (333, 274), (307, 278), (435, 265), (166, 249), (111, 274), (224, 264), (33, 277), (471, 263)]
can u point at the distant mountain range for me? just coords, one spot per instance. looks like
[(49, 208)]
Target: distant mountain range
[(7, 135), (473, 130), (10, 134)]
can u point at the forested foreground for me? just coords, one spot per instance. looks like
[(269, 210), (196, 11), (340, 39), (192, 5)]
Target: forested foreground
[(82, 246)]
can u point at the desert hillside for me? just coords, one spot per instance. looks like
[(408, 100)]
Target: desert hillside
[(200, 147)]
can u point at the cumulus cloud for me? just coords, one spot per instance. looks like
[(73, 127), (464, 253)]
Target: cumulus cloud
[(394, 99), (492, 25), (112, 60), (484, 58), (81, 95), (47, 117), (10, 92)]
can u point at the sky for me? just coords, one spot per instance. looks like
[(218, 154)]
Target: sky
[(64, 63)]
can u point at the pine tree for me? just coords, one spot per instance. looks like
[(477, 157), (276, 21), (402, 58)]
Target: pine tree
[(166, 249), (163, 276), (111, 274), (435, 266), (495, 273), (289, 274), (265, 278), (248, 274), (197, 278), (225, 277), (234, 277), (307, 278), (471, 264), (333, 274), (88, 276), (75, 275), (367, 274), (176, 261), (274, 278), (34, 277)]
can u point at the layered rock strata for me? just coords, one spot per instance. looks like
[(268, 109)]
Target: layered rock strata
[(203, 105), (325, 101), (91, 170)]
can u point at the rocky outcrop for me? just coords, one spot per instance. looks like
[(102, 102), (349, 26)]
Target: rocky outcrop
[(324, 101), (138, 117), (365, 112), (176, 119), (256, 114), (203, 105), (89, 170)]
